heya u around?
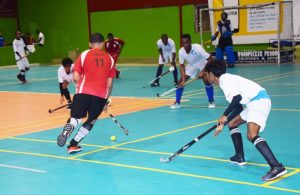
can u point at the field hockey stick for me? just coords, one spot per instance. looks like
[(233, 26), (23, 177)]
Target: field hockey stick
[(55, 109), (206, 42), (119, 124), (188, 145), (23, 57), (171, 69), (174, 89)]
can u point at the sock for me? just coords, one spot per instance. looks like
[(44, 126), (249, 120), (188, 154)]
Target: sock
[(262, 146), (67, 94), (74, 122), (237, 140), (210, 92), (175, 75), (179, 93), (82, 133), (158, 72)]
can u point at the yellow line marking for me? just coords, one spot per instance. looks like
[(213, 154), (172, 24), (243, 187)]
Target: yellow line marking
[(149, 152), (281, 178), (155, 170), (147, 138)]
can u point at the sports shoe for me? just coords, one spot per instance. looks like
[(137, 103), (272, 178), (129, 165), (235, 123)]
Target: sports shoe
[(62, 138), (155, 85), (274, 173), (118, 74), (19, 77), (175, 106), (175, 84), (238, 160), (74, 149), (211, 105)]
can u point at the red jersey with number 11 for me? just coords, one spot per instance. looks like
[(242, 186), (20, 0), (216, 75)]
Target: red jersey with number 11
[(95, 67)]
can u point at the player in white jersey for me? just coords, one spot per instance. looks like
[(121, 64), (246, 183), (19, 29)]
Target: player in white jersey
[(41, 38), (240, 91), (65, 76), (196, 57), (167, 52), (20, 56)]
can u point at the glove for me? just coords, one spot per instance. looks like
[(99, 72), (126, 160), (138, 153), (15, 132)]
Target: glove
[(213, 37), (226, 34)]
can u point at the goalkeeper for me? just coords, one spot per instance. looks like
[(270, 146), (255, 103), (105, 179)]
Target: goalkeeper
[(225, 42)]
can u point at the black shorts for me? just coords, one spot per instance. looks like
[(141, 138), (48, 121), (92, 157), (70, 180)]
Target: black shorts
[(84, 104)]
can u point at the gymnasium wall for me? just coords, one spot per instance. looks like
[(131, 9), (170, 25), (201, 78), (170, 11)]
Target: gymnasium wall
[(8, 28), (141, 28), (64, 24)]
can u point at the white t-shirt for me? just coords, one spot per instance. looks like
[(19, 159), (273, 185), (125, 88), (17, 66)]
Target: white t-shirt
[(196, 56), (233, 85), (18, 46), (63, 76), (167, 49), (42, 37)]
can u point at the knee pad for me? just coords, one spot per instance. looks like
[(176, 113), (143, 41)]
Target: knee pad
[(230, 54), (88, 125), (219, 53)]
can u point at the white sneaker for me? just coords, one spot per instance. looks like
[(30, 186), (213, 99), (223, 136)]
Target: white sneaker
[(175, 106), (211, 105)]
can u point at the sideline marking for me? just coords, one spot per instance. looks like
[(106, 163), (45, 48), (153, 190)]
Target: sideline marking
[(22, 168)]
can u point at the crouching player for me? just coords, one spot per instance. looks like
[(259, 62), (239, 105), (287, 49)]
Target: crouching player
[(65, 76), (241, 91)]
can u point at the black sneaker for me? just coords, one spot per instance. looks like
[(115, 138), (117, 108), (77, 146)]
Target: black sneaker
[(19, 77), (155, 85), (274, 173), (118, 74), (238, 160), (62, 138), (175, 84)]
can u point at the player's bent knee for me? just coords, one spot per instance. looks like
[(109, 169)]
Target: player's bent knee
[(251, 135)]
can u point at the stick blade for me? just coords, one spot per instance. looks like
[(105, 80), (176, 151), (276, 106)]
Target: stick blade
[(49, 111), (163, 160)]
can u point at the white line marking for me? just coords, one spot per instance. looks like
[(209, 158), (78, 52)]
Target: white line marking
[(23, 168)]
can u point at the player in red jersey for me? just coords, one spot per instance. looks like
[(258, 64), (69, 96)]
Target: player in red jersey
[(94, 72), (114, 46)]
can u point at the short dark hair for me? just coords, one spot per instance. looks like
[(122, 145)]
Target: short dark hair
[(96, 38), (164, 36), (67, 62), (186, 36), (225, 14), (217, 67), (110, 35)]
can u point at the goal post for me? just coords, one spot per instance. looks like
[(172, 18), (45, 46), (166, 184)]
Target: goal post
[(265, 23)]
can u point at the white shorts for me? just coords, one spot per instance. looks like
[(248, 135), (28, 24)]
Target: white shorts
[(192, 70), (167, 56), (31, 48), (23, 63), (257, 112)]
